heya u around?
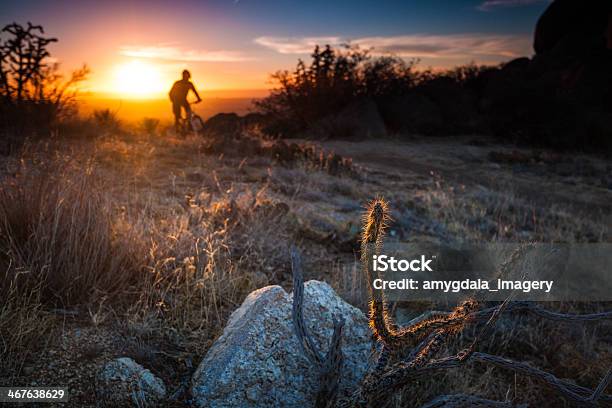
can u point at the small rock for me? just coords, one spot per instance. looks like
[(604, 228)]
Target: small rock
[(123, 381)]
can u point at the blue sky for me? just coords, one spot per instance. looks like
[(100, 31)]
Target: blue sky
[(237, 43)]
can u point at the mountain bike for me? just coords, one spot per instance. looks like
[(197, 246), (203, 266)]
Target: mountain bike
[(191, 124)]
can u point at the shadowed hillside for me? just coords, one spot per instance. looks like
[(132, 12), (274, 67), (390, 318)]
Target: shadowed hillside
[(561, 97)]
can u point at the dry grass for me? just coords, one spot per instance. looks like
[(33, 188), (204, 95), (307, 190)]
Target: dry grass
[(58, 250), (23, 327), (57, 235), (160, 253), (156, 242), (202, 261), (504, 215)]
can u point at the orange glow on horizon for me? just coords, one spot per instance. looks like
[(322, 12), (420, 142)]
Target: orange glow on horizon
[(147, 79)]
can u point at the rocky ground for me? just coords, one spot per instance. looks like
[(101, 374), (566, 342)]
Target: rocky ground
[(439, 191)]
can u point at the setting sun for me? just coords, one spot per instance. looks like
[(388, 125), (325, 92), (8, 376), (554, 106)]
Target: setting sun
[(138, 79)]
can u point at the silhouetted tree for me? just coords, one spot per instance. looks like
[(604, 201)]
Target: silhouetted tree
[(334, 79), (23, 65), (33, 93)]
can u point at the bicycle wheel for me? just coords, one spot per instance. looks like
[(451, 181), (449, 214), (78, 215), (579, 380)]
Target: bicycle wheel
[(197, 124), (183, 128)]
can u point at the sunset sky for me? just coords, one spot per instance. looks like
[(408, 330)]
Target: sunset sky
[(137, 48)]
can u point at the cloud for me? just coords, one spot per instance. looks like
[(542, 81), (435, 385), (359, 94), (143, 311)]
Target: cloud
[(294, 45), (488, 5), (414, 46), (173, 53)]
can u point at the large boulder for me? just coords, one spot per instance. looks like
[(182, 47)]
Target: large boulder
[(258, 362), (586, 21), (124, 382), (253, 119), (225, 125), (457, 104)]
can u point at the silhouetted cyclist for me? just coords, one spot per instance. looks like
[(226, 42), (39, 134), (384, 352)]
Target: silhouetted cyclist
[(178, 96)]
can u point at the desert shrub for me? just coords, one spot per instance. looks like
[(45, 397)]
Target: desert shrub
[(387, 76), (56, 235), (150, 126), (332, 81), (77, 127), (408, 99), (34, 96), (106, 120)]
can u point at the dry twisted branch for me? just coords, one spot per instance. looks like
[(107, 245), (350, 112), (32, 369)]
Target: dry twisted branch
[(533, 308), (330, 370), (465, 401), (601, 387), (580, 395), (330, 366), (404, 373), (308, 346)]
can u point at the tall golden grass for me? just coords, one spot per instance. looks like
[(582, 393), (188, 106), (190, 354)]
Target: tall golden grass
[(57, 235), (68, 243)]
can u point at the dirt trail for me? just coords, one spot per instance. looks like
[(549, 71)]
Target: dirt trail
[(459, 162)]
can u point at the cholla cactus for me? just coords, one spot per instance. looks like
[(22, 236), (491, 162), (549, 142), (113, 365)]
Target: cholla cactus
[(385, 330), (411, 352)]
